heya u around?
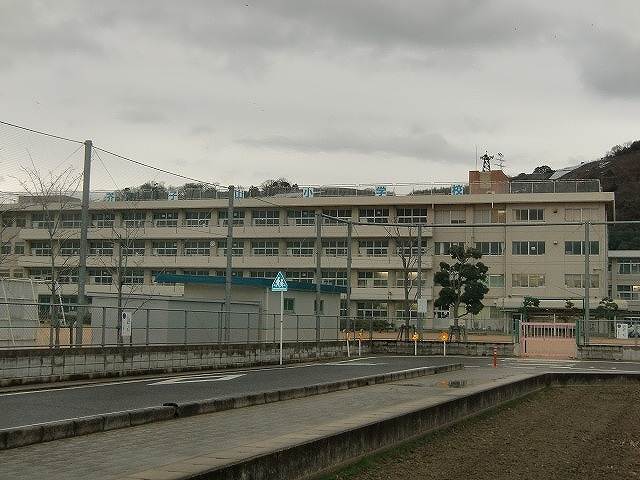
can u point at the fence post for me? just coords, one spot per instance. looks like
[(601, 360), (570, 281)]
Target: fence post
[(297, 329), (146, 334), (248, 328), (370, 331), (185, 327), (220, 327), (104, 320)]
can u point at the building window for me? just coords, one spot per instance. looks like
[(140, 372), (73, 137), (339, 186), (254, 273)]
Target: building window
[(18, 248), (42, 220), (495, 280), (576, 280), (133, 248), (164, 248), (5, 249), (373, 279), (69, 248), (373, 248), (490, 215), (21, 221), (238, 218), (625, 265), (628, 292), (372, 310), (6, 220), (197, 248), (527, 280), (133, 276), (101, 248), (303, 276), (577, 248), (580, 214), (411, 215), (262, 218), (300, 248), (196, 273), (155, 273), (41, 249), (68, 276), (413, 311), (269, 248), (234, 273), (335, 277), (40, 274), (71, 220), (165, 219), (237, 249), (490, 248), (441, 313), (271, 274), (133, 219), (412, 279), (197, 218), (374, 215), (444, 248), (409, 248), (102, 220), (301, 217), (100, 276), (334, 248), (528, 215), (289, 305), (342, 214), (450, 216), (344, 307), (528, 248)]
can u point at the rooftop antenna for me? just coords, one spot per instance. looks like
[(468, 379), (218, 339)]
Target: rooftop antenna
[(486, 161), (500, 161)]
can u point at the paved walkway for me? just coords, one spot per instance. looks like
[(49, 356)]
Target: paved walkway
[(170, 449)]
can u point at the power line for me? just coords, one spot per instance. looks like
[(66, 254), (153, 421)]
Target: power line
[(40, 133), (156, 168)]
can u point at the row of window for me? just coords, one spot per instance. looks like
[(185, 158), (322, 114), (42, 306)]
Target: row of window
[(303, 248), (273, 217)]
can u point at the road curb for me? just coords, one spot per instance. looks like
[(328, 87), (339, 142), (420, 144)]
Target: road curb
[(45, 432)]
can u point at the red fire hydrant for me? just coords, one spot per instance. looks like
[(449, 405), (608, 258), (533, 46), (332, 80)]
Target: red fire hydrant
[(495, 356)]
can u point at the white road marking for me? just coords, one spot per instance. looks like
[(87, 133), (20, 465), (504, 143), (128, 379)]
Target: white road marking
[(197, 379)]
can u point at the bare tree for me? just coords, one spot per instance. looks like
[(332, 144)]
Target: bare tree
[(51, 196)]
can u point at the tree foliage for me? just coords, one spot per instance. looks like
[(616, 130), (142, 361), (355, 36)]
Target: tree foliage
[(464, 282)]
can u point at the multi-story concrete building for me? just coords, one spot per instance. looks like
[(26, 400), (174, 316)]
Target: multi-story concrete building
[(528, 250), (624, 278)]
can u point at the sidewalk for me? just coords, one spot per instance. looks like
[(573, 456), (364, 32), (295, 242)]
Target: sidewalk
[(174, 448)]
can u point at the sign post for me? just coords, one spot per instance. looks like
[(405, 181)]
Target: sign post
[(444, 336), (280, 285), (126, 324), (360, 334), (415, 338), (347, 338)]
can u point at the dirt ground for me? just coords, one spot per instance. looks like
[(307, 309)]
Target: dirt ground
[(578, 432)]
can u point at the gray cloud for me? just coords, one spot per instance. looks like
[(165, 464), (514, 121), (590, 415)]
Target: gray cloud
[(141, 116), (423, 146)]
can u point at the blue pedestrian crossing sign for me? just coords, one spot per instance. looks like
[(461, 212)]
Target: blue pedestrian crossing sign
[(279, 283)]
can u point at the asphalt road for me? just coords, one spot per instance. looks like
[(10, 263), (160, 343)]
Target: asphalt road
[(21, 408)]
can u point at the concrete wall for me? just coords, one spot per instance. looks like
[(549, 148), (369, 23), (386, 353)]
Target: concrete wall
[(479, 349), (609, 352), (33, 365)]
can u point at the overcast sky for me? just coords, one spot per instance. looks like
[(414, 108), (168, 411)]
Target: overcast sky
[(324, 91)]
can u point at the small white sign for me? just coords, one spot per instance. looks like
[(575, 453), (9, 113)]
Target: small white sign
[(457, 189), (110, 197), (279, 283), (307, 192), (622, 330), (126, 324), (422, 305), (173, 195), (380, 190), (238, 193)]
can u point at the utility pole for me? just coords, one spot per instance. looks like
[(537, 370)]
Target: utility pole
[(84, 228), (349, 261), (587, 283), (318, 275), (419, 279), (229, 271)]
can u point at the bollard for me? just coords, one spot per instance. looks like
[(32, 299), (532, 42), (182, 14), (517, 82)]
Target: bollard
[(415, 338), (495, 356)]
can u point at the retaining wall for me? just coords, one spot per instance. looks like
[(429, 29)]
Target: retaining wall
[(476, 349), (609, 352), (25, 366)]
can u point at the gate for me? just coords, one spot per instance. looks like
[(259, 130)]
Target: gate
[(550, 340)]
